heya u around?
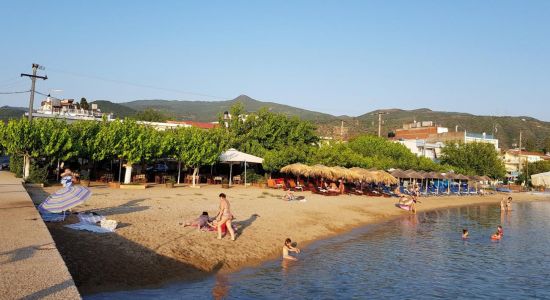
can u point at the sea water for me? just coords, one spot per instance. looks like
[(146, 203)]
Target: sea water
[(414, 257)]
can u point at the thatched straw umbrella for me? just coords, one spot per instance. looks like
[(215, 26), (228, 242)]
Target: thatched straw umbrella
[(364, 174), (296, 169), (320, 171), (386, 177), (348, 174)]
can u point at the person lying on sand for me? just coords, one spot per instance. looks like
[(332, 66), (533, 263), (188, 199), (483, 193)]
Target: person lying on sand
[(201, 222), (289, 196), (287, 248)]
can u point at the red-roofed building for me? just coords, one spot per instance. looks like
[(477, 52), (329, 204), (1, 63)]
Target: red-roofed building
[(202, 125)]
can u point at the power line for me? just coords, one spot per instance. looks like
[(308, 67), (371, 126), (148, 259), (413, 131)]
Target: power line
[(8, 93), (139, 84)]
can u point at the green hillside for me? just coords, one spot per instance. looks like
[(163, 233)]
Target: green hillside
[(209, 110), (120, 111), (8, 112), (536, 133), (506, 128)]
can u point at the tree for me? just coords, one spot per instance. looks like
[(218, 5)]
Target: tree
[(43, 138), (19, 138), (274, 160), (84, 103), (151, 115), (474, 159), (257, 133)]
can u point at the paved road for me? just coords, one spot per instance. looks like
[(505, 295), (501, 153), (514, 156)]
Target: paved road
[(30, 264)]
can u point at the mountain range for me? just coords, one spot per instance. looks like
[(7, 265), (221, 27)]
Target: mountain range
[(536, 133)]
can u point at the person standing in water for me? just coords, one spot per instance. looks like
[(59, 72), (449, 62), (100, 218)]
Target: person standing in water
[(224, 217), (287, 248), (465, 234)]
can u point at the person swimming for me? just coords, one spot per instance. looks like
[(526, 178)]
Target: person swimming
[(465, 234), (287, 248), (500, 231)]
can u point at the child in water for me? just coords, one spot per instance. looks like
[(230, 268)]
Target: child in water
[(288, 247), (465, 234), (500, 231), (496, 236)]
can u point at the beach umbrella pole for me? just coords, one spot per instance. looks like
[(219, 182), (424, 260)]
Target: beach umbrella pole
[(230, 174), (245, 173)]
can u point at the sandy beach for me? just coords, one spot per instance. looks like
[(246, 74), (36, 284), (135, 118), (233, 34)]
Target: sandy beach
[(150, 247)]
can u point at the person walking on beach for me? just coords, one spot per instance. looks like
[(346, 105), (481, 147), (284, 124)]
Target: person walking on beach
[(287, 248), (224, 217)]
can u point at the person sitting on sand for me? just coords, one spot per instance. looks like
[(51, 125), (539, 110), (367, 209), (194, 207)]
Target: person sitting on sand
[(465, 234), (67, 178), (287, 248), (201, 222), (289, 196), (333, 188)]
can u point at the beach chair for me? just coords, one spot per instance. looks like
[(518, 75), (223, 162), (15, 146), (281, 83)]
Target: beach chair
[(292, 185), (272, 183)]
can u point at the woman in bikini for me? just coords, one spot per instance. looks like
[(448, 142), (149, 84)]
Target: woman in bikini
[(224, 217)]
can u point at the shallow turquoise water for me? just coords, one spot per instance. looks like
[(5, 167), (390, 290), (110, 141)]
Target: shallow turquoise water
[(414, 257)]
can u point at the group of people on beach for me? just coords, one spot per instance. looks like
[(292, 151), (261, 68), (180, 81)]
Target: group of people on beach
[(505, 206), (222, 222)]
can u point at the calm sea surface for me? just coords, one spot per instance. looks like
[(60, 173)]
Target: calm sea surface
[(415, 257)]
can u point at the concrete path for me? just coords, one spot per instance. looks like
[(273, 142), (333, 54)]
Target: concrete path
[(30, 264)]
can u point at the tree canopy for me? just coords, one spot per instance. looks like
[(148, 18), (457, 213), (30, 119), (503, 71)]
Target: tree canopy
[(474, 159)]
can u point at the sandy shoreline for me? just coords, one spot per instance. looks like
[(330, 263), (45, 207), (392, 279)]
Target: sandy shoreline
[(150, 248)]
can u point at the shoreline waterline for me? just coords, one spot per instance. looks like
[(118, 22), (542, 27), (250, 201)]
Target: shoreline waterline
[(151, 250), (369, 238)]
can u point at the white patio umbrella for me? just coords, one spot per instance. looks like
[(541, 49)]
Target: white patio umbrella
[(232, 156)]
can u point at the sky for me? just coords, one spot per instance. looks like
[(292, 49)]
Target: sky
[(338, 57)]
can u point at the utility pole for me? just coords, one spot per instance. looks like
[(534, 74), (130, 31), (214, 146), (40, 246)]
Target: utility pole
[(380, 113), (342, 131), (35, 67), (519, 153), (33, 77)]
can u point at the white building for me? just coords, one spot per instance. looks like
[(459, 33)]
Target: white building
[(421, 148)]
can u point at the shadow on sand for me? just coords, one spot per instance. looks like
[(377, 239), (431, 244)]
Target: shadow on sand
[(242, 225), (109, 262)]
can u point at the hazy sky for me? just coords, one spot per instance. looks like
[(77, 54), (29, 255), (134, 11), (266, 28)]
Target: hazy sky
[(338, 57)]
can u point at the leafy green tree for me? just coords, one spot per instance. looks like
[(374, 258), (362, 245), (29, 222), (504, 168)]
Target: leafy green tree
[(338, 154), (257, 133), (19, 138), (533, 168), (474, 158), (84, 103), (274, 160), (151, 115)]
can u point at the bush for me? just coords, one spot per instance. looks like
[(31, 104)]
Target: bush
[(252, 177), (37, 174), (16, 165)]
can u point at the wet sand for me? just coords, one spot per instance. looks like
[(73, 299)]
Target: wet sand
[(150, 247)]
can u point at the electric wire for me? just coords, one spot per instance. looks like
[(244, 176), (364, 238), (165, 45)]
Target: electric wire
[(137, 84)]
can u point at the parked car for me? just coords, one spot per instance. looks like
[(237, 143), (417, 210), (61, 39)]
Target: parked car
[(4, 162), (161, 168)]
